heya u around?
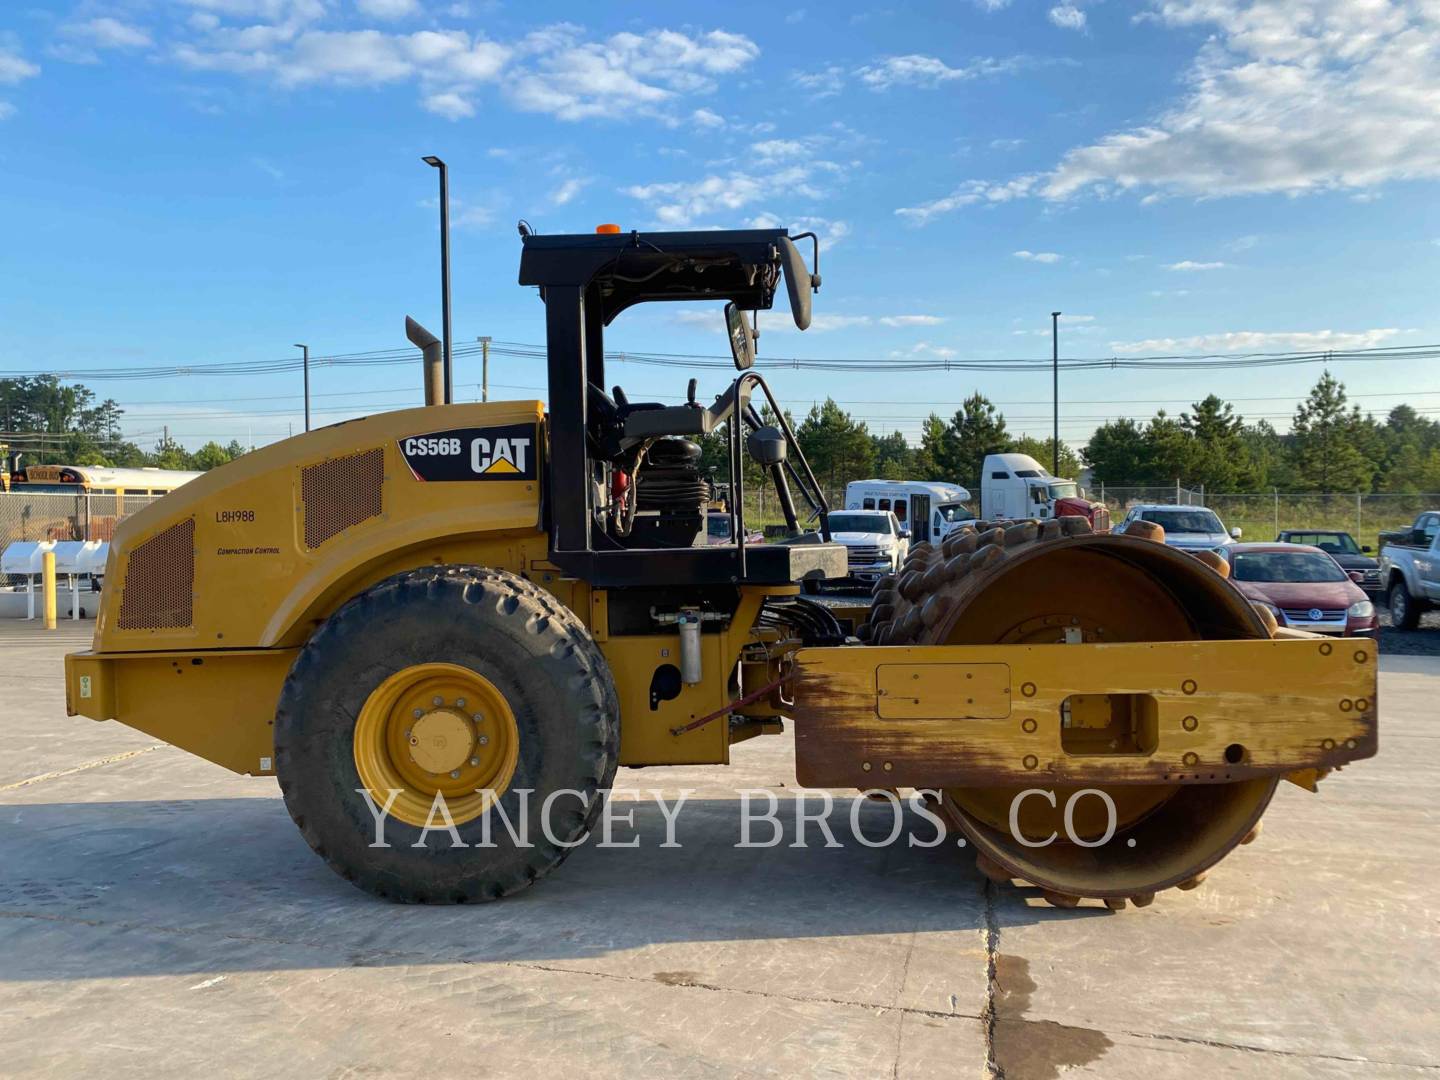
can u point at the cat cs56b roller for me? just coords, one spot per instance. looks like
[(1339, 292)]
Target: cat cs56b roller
[(484, 605)]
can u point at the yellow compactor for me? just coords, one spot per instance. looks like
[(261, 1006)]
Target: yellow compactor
[(474, 609)]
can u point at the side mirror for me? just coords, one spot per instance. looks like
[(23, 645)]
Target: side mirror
[(1366, 548), (1235, 534), (1418, 537), (767, 446), (1357, 577), (798, 282), (742, 338), (904, 533)]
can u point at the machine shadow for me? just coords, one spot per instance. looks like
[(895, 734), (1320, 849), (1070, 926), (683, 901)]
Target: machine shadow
[(95, 890)]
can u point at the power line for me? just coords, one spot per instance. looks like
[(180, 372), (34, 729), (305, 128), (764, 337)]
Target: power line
[(520, 350)]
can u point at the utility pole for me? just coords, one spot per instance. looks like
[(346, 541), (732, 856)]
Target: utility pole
[(435, 163), (306, 349), (484, 368), (1055, 372)]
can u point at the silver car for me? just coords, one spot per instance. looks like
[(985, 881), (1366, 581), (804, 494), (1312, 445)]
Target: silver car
[(1188, 527)]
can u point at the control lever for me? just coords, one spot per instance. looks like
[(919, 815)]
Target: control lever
[(690, 390)]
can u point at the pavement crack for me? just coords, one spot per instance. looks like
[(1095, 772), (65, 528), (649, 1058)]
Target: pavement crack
[(992, 953), (100, 762), (1221, 1044), (414, 957)]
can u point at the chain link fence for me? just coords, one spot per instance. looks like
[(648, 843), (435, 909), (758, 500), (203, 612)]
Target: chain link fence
[(1263, 515), (57, 516)]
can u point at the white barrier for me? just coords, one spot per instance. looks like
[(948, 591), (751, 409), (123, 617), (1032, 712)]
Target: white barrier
[(26, 557), (74, 558)]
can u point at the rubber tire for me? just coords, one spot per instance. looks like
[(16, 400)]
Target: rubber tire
[(536, 652), (1404, 611)]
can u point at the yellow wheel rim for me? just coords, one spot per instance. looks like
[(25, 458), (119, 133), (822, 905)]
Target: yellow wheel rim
[(436, 729)]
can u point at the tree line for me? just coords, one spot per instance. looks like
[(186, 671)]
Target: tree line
[(58, 424), (1331, 447)]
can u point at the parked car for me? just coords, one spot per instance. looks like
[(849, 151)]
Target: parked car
[(919, 505), (875, 540), (1418, 534), (1303, 587), (1340, 546), (717, 529), (1411, 572), (1187, 527)]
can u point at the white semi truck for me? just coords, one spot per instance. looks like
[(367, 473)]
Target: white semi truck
[(1012, 486), (1018, 486)]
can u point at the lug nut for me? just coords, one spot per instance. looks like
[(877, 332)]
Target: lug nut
[(484, 740), (459, 702), (417, 713), (437, 701), (478, 718), (474, 761), (455, 775)]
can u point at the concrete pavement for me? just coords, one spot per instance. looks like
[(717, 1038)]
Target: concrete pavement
[(160, 916)]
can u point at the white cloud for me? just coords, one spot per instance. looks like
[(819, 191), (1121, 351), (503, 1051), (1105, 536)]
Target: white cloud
[(1258, 341), (15, 68), (1006, 144), (795, 16), (1067, 17), (1284, 96), (1287, 96), (1038, 256), (1190, 265), (448, 104), (1243, 243), (680, 203), (827, 82), (992, 5), (829, 232), (388, 9), (915, 69), (7, 110), (968, 194), (108, 33), (574, 79), (555, 70), (567, 190), (911, 320)]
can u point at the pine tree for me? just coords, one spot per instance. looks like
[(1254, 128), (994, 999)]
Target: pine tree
[(1324, 450), (1116, 453), (976, 429)]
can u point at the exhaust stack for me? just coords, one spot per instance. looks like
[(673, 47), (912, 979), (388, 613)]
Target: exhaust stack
[(429, 346)]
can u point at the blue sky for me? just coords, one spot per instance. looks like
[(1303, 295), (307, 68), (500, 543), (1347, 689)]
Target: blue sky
[(184, 181)]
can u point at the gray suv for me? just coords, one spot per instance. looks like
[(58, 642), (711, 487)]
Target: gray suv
[(1187, 527)]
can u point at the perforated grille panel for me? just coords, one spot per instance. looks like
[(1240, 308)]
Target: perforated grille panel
[(159, 587), (340, 493)]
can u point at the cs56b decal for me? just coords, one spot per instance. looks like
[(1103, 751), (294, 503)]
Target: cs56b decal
[(506, 452)]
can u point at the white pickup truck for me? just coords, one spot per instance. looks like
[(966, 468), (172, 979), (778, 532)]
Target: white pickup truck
[(1410, 570)]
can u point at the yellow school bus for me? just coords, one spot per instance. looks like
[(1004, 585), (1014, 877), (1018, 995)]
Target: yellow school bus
[(99, 497)]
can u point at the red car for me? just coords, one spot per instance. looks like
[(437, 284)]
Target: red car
[(1303, 586)]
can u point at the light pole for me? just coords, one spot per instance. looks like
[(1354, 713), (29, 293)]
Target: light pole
[(435, 163), (1055, 372), (306, 350), (484, 368)]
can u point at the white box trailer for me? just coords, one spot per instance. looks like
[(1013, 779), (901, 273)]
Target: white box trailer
[(927, 508)]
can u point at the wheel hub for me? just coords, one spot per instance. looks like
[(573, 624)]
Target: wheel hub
[(441, 741), (436, 730)]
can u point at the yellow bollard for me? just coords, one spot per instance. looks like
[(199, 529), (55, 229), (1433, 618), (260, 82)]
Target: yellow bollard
[(49, 563)]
